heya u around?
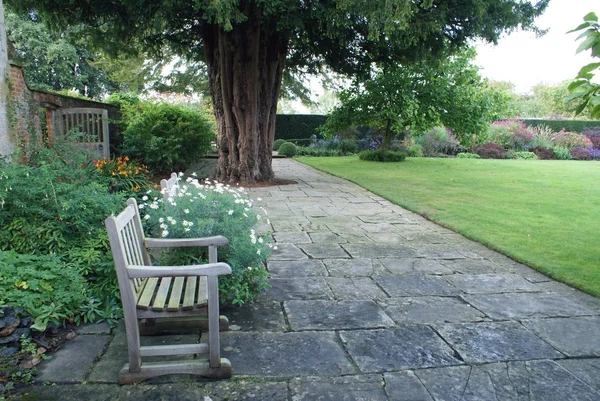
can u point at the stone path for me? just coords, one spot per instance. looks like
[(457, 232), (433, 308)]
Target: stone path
[(369, 302)]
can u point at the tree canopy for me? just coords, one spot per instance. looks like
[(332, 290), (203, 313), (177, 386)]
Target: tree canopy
[(247, 44), (419, 96)]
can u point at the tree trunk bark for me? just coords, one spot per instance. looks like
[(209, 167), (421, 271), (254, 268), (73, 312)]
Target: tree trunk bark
[(245, 70)]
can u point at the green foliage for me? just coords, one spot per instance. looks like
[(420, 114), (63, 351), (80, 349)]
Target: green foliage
[(166, 137), (287, 149), (570, 140), (317, 152), (418, 97), (43, 285), (582, 88), (277, 143), (511, 154), (467, 155), (561, 153), (122, 99), (298, 126), (381, 155), (207, 210)]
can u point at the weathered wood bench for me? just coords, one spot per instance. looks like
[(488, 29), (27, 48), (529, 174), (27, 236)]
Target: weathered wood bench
[(169, 186), (157, 292)]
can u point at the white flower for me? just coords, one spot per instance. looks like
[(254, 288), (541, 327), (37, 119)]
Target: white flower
[(190, 223), (165, 233), (258, 199), (274, 246), (194, 174), (161, 220), (164, 226), (230, 212), (260, 240), (245, 215), (154, 206), (258, 216), (141, 206), (146, 217), (258, 251), (144, 198), (173, 222), (186, 229), (186, 211), (249, 267)]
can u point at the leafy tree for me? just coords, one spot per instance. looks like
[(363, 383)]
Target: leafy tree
[(583, 88), (247, 43), (419, 96)]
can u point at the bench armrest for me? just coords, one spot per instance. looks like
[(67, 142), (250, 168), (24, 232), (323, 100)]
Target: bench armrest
[(209, 269), (217, 240)]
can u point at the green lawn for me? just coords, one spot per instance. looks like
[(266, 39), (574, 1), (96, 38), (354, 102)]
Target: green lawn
[(544, 213)]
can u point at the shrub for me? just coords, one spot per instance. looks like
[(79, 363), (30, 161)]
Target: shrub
[(580, 153), (278, 143), (468, 156), (438, 141), (511, 134), (543, 153), (561, 153), (593, 133), (511, 154), (166, 137), (207, 210), (570, 140), (348, 146), (287, 149), (491, 150), (43, 286), (317, 152), (381, 155)]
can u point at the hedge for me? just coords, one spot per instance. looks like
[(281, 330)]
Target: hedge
[(298, 126), (568, 125)]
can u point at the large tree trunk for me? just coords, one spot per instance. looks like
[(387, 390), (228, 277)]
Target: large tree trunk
[(245, 70)]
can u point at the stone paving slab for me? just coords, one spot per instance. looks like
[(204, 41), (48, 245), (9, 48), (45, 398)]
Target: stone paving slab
[(497, 341), (513, 381), (574, 336), (72, 363), (377, 251), (284, 289), (261, 315), (287, 252), (285, 354), (335, 315), (347, 388), (405, 386), (474, 266), (87, 392), (297, 268), (291, 238), (351, 267), (406, 347), (586, 370), (355, 288), (416, 285), (492, 283), (430, 310), (526, 305), (324, 251)]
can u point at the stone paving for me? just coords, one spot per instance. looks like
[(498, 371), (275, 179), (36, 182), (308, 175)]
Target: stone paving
[(368, 302)]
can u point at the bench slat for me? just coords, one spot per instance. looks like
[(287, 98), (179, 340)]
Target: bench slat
[(175, 298), (147, 294), (162, 294), (190, 293), (202, 292)]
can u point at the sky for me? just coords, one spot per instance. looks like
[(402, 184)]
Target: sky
[(525, 60)]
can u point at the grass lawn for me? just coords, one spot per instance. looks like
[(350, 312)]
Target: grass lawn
[(544, 213)]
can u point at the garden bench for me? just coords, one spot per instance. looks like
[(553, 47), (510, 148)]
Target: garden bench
[(155, 292), (169, 186)]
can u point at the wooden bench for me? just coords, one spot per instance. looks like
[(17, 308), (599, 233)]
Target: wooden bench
[(169, 186), (159, 292)]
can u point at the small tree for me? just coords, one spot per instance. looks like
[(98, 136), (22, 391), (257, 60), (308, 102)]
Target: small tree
[(418, 97), (583, 88)]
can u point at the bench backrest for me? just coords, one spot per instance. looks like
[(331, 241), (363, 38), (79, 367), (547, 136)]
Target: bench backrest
[(169, 187), (126, 238)]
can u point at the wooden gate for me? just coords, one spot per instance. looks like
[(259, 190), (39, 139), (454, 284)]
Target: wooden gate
[(91, 124)]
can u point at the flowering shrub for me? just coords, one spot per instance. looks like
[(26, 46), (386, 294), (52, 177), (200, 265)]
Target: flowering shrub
[(208, 209), (121, 174), (588, 153), (593, 133), (332, 147), (439, 141), (561, 153), (511, 134), (570, 140), (491, 150)]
